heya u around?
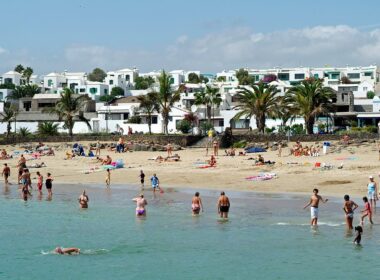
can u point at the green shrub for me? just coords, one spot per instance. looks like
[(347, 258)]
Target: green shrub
[(205, 127), (370, 94), (24, 132), (134, 119), (48, 129), (240, 144), (184, 126), (370, 129)]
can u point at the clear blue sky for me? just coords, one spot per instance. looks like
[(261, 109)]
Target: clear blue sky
[(207, 35)]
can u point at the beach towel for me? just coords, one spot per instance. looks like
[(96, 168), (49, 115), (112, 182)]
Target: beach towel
[(262, 177), (255, 150)]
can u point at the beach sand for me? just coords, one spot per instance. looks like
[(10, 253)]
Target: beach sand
[(295, 174)]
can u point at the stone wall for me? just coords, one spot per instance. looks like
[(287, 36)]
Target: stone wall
[(181, 140), (228, 140)]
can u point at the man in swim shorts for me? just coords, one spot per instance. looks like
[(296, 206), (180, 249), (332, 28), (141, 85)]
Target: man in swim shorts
[(223, 205), (314, 204), (140, 205), (349, 207), (6, 173)]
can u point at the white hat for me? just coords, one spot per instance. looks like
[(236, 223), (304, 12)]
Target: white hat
[(371, 177)]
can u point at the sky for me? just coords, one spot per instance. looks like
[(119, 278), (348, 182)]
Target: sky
[(205, 35)]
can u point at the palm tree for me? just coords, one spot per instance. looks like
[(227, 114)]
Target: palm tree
[(24, 91), (48, 128), (8, 116), (284, 112), (149, 104), (27, 73), (167, 96), (208, 97), (259, 100), (69, 107), (19, 68), (310, 99)]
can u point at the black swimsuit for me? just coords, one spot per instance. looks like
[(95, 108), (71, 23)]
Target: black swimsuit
[(142, 176), (48, 184)]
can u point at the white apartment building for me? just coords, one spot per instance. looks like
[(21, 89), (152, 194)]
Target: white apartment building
[(124, 78), (93, 89), (12, 77)]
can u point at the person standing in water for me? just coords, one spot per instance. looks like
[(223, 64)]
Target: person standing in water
[(155, 183), (140, 205), (142, 179), (367, 211), (372, 192), (83, 200), (314, 204), (108, 178), (358, 237), (49, 185), (40, 180), (6, 173), (349, 207), (196, 204), (223, 205)]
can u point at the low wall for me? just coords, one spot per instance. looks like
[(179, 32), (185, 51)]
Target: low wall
[(227, 140), (181, 140)]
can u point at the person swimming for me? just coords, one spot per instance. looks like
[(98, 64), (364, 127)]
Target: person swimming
[(67, 251)]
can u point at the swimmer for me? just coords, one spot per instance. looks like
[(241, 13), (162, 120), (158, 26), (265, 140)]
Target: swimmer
[(108, 178), (358, 237), (196, 204), (67, 251), (6, 173), (223, 205), (25, 192), (314, 203), (349, 207), (83, 200), (140, 205)]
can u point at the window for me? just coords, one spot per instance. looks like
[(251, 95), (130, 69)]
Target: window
[(8, 81), (171, 81), (335, 76), (316, 76), (82, 90), (93, 90), (127, 78), (45, 105), (353, 75), (27, 105), (111, 82), (365, 89), (105, 91), (50, 83), (283, 76), (154, 120), (125, 116), (1, 96), (299, 76), (221, 123), (368, 74)]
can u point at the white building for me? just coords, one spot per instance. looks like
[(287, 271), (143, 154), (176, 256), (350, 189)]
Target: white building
[(93, 89), (12, 77), (124, 78)]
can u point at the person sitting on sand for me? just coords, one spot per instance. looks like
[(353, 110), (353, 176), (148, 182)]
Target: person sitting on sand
[(175, 157), (107, 161), (140, 205), (212, 161), (4, 154), (83, 200), (231, 152), (49, 152), (69, 155), (67, 251)]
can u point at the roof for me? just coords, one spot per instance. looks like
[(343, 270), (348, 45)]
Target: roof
[(74, 73), (126, 70), (53, 74), (47, 96), (12, 73)]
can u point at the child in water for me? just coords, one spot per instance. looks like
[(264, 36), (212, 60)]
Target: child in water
[(367, 211), (108, 178), (358, 237)]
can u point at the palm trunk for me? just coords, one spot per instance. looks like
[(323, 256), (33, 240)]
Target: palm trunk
[(9, 127), (260, 123), (309, 123), (208, 111), (150, 123)]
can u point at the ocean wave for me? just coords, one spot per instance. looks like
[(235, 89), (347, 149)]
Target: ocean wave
[(329, 224)]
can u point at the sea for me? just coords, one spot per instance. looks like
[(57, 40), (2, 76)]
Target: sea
[(267, 236)]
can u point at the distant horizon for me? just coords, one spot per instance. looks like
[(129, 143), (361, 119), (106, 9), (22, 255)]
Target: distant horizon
[(81, 35)]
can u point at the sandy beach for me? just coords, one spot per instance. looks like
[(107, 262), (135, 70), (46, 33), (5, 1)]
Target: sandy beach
[(294, 174)]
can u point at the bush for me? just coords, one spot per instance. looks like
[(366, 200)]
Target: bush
[(297, 129), (48, 129), (269, 130), (370, 129), (240, 144), (370, 94), (205, 127), (184, 126), (135, 119), (24, 132)]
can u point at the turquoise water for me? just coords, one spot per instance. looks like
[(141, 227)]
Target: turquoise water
[(266, 237)]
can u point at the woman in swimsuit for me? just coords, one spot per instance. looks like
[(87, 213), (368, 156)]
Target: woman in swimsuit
[(140, 206), (40, 179), (83, 200), (349, 207), (49, 184), (196, 204), (142, 179)]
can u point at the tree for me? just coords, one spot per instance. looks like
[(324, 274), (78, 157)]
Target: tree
[(208, 97), (48, 128), (221, 79), (24, 91), (345, 80), (310, 99), (117, 91), (106, 98), (259, 101), (192, 119), (8, 116), (144, 82), (7, 86), (243, 77), (194, 78), (69, 107), (370, 94), (24, 132), (204, 79), (184, 126), (149, 104), (167, 96), (97, 75), (27, 73), (19, 68)]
